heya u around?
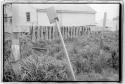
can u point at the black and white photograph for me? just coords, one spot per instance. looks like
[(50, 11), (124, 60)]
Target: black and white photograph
[(61, 42)]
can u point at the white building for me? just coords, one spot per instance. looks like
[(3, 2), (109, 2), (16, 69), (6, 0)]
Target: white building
[(35, 14)]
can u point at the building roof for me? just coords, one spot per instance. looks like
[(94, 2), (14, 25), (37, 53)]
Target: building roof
[(70, 8)]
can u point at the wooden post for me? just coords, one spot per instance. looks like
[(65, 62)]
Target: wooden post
[(102, 36)]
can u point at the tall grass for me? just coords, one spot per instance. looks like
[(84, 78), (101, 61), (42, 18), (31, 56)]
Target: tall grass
[(47, 61)]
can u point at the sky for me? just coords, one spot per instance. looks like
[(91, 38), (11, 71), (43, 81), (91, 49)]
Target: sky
[(111, 9)]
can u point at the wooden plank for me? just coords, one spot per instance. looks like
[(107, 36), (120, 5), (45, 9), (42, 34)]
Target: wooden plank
[(66, 32), (79, 30), (16, 51), (82, 31), (49, 32), (38, 33), (73, 31), (42, 37), (44, 32), (15, 46), (62, 32), (64, 29), (52, 32), (33, 35), (70, 32)]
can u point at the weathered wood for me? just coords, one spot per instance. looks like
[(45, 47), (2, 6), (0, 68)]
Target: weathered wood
[(42, 37), (66, 32), (82, 31), (37, 33), (16, 52), (15, 46), (40, 32), (73, 31), (49, 32), (52, 33), (33, 35), (44, 32)]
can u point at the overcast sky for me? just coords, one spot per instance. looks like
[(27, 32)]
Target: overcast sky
[(111, 9)]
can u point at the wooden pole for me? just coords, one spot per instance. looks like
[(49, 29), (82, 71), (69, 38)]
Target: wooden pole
[(102, 35), (58, 26)]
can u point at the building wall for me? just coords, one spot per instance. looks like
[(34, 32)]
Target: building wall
[(68, 19), (75, 19), (19, 16)]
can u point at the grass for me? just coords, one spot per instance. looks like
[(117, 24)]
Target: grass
[(90, 61)]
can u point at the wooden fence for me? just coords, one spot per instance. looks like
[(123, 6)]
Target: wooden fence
[(51, 32)]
